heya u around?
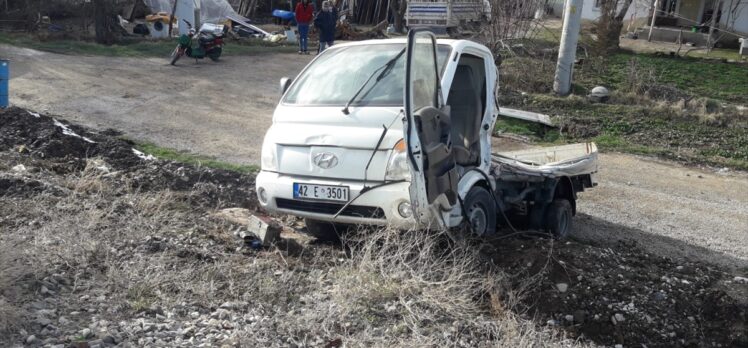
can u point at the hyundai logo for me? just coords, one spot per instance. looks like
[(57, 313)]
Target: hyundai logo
[(325, 160)]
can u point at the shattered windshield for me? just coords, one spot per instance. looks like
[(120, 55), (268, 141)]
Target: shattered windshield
[(336, 75)]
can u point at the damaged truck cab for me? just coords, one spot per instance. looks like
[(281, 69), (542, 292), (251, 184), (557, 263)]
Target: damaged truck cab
[(398, 132)]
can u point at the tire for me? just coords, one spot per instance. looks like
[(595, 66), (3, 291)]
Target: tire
[(558, 218), (323, 231), (480, 210), (215, 54)]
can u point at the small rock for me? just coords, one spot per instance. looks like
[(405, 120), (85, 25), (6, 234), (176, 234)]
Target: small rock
[(63, 321), (195, 315), (86, 333), (31, 339), (740, 280), (569, 317), (618, 346), (19, 168), (109, 340), (562, 287), (659, 296), (43, 321), (617, 318), (188, 331)]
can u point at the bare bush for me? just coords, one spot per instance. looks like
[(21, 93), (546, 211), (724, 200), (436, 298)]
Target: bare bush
[(639, 79), (510, 20), (528, 75)]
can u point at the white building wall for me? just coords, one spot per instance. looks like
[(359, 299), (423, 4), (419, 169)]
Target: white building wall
[(735, 21), (638, 9)]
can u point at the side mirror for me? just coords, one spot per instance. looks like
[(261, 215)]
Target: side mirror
[(284, 83)]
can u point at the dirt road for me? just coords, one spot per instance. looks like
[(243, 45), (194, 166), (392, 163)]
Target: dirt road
[(217, 109), (224, 109)]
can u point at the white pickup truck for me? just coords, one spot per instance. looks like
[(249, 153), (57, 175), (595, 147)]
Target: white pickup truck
[(398, 132)]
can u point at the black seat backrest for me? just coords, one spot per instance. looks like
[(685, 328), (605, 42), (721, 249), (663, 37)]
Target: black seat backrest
[(465, 101)]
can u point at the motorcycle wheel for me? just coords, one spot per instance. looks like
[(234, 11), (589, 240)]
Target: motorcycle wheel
[(215, 54), (175, 56)]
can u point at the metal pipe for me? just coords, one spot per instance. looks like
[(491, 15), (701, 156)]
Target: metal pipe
[(652, 24)]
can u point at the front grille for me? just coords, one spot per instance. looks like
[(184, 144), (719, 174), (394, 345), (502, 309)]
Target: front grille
[(330, 208)]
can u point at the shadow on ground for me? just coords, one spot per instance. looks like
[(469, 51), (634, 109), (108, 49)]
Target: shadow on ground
[(606, 287)]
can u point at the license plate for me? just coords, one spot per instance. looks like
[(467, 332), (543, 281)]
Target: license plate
[(321, 192)]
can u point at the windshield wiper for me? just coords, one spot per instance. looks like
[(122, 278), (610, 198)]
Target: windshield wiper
[(386, 68)]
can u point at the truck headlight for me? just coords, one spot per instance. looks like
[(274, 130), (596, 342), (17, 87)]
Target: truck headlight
[(397, 167), (268, 160)]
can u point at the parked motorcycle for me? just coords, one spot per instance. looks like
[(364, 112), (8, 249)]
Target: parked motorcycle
[(209, 43)]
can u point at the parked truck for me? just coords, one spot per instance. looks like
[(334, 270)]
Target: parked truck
[(446, 14), (398, 132)]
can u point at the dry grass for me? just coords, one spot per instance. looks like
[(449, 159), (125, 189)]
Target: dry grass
[(132, 253)]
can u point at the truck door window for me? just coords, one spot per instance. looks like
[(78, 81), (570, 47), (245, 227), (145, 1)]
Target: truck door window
[(467, 99)]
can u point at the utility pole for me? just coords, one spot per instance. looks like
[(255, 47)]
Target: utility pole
[(654, 16), (568, 50)]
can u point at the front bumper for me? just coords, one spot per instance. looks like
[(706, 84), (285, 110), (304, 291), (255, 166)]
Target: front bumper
[(375, 207)]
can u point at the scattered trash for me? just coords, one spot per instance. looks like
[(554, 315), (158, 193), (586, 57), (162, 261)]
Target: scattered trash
[(67, 131), (19, 168), (142, 155), (275, 38), (599, 94), (267, 230)]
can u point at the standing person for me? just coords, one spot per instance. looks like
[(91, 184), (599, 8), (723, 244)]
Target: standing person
[(304, 13), (325, 22)]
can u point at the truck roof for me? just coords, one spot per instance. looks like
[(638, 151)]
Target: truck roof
[(455, 44)]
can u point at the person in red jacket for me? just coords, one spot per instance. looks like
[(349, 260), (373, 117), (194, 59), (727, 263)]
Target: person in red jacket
[(304, 14)]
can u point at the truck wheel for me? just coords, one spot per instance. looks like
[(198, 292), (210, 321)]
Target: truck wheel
[(480, 209), (322, 230), (558, 218)]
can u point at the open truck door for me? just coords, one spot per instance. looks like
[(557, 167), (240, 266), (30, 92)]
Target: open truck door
[(434, 177)]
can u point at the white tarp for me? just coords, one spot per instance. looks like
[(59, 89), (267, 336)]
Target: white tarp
[(211, 11)]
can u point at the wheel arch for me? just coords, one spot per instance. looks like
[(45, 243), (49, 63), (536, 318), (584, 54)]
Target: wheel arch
[(470, 180), (565, 189)]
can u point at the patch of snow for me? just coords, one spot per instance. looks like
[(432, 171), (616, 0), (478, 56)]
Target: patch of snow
[(68, 131), (143, 155)]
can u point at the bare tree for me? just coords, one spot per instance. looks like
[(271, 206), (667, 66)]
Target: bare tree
[(397, 9), (105, 22), (610, 24)]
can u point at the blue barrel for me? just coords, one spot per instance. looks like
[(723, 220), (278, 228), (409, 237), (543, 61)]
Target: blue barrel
[(4, 77)]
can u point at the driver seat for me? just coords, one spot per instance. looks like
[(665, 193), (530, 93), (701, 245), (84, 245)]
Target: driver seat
[(466, 105)]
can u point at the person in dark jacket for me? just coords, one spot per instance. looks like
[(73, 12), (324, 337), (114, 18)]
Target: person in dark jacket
[(325, 23), (304, 13)]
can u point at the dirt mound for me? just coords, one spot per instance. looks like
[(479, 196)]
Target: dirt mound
[(55, 145), (624, 295), (46, 137)]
